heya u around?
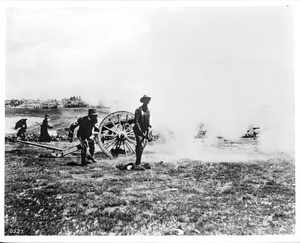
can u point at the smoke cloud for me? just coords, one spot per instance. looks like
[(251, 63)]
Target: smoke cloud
[(228, 108), (176, 114)]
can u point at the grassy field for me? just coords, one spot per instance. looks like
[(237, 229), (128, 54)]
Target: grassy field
[(55, 196)]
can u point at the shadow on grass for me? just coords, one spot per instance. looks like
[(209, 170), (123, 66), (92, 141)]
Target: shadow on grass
[(73, 164)]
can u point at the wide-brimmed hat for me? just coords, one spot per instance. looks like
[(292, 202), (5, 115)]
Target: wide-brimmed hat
[(92, 112), (144, 98)]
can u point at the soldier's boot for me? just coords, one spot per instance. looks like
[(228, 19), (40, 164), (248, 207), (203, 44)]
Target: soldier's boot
[(83, 162), (91, 155), (83, 156), (137, 165), (138, 157), (92, 159)]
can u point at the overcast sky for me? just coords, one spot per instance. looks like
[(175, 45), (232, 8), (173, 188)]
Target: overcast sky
[(226, 61)]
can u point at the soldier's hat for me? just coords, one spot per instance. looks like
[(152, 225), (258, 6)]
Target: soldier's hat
[(144, 98), (92, 112)]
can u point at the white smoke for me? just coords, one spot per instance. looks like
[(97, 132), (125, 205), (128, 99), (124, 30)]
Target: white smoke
[(278, 129), (177, 112), (177, 117)]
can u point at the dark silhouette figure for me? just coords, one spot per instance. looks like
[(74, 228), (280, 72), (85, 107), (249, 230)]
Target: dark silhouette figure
[(22, 124), (86, 134), (141, 129), (44, 136)]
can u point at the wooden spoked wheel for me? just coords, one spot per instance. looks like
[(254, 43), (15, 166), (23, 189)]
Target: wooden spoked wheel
[(116, 136)]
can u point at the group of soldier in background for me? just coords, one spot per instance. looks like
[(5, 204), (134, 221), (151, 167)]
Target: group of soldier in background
[(44, 134)]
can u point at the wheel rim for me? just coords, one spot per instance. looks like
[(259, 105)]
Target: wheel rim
[(116, 136)]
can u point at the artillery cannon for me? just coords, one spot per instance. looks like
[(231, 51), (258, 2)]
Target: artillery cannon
[(116, 137)]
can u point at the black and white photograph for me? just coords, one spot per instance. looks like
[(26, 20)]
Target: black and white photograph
[(128, 121)]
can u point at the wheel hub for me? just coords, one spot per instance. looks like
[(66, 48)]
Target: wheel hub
[(122, 136)]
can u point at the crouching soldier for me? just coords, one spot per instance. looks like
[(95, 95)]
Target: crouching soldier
[(22, 124), (86, 134)]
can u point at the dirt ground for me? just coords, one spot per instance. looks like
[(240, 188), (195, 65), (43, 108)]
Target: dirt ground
[(55, 196)]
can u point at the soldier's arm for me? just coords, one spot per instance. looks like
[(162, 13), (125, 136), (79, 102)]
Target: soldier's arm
[(95, 132), (149, 126), (72, 128), (136, 121), (149, 118), (96, 129)]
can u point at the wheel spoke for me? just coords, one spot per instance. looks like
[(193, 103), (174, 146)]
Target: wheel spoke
[(109, 135), (125, 123), (124, 148), (129, 146), (108, 138), (113, 124), (131, 141), (115, 145), (109, 143), (110, 129), (131, 137), (129, 129), (118, 144), (130, 133), (124, 128)]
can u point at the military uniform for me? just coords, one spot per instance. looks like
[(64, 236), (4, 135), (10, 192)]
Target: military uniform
[(87, 127), (141, 128)]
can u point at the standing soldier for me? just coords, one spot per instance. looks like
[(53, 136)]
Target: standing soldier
[(44, 136), (86, 134), (141, 129)]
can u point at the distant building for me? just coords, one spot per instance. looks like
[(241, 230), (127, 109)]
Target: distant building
[(50, 104), (73, 102), (13, 103)]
